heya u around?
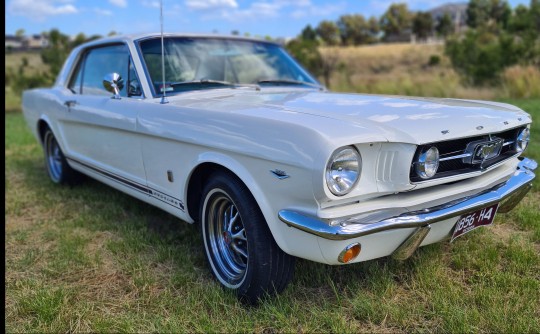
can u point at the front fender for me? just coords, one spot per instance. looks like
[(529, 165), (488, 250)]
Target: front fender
[(271, 193)]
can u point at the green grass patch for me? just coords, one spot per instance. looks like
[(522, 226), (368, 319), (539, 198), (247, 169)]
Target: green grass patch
[(92, 259)]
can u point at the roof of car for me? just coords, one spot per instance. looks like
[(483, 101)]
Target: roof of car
[(136, 37)]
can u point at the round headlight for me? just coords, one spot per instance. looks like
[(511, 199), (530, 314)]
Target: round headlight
[(427, 163), (343, 170), (522, 140)]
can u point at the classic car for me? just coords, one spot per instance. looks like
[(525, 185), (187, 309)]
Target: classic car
[(233, 134)]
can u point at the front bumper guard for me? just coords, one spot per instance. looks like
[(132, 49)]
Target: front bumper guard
[(508, 194)]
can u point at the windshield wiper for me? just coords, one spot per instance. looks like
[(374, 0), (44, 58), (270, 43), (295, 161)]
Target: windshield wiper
[(293, 82), (213, 82), (203, 82)]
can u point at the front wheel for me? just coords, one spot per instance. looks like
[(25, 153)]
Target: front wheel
[(239, 247)]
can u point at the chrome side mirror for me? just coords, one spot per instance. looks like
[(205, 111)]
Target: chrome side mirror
[(113, 83)]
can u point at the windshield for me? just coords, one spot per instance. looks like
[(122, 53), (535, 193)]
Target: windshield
[(204, 63)]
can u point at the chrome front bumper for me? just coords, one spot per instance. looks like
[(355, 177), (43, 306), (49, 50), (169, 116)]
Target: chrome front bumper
[(508, 194)]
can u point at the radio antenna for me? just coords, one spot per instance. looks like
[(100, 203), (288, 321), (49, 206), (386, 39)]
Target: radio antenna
[(163, 88)]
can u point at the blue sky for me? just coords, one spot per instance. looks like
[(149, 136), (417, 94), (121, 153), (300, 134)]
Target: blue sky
[(276, 18)]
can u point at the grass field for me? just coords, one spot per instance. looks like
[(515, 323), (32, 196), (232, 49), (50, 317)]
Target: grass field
[(91, 259)]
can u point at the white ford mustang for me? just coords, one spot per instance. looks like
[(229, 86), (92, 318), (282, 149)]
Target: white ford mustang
[(269, 163)]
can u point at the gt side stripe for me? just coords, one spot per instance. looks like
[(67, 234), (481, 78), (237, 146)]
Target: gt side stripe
[(170, 200)]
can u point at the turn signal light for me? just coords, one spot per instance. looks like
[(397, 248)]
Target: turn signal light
[(350, 253)]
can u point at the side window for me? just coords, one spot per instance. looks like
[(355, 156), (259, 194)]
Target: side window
[(102, 61), (134, 85), (75, 83)]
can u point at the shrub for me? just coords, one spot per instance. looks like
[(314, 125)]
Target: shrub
[(480, 56), (434, 60), (307, 53), (22, 82)]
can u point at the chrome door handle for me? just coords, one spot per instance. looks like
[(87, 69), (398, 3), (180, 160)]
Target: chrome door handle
[(70, 103)]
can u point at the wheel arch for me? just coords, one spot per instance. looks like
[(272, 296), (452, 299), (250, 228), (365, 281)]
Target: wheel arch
[(42, 125), (209, 163)]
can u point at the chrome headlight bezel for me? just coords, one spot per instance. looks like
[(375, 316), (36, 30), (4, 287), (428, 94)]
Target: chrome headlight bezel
[(427, 163), (342, 181), (522, 140)]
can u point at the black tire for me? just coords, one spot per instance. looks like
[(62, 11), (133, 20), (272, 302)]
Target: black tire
[(57, 166), (243, 255)]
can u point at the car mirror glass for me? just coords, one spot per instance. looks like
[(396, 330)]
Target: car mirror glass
[(113, 83)]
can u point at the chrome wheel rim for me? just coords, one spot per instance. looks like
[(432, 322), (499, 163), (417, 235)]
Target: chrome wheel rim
[(226, 240), (54, 158)]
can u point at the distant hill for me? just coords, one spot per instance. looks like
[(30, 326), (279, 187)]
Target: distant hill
[(457, 11)]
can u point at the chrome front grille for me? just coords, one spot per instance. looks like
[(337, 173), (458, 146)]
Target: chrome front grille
[(455, 159)]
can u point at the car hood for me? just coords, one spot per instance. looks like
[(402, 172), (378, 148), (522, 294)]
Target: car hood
[(403, 119)]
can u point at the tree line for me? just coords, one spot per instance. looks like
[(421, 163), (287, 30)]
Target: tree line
[(397, 20), (495, 37)]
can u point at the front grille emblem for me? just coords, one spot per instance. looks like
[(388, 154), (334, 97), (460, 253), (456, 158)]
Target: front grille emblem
[(480, 151)]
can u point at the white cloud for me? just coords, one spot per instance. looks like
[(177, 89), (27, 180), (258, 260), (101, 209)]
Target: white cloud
[(256, 10), (101, 11), (39, 10), (151, 4), (297, 3), (210, 4), (119, 3)]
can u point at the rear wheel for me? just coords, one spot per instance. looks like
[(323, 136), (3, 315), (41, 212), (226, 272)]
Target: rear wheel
[(239, 247), (57, 166)]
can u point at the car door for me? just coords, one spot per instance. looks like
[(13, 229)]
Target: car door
[(99, 129)]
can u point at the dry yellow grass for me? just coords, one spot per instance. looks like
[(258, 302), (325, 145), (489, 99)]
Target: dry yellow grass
[(521, 82), (421, 70), (35, 65)]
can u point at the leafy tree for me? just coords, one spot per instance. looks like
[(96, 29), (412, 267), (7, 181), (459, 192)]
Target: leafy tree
[(445, 26), (481, 55), (482, 13), (307, 53), (112, 33), (78, 40), (396, 20), (496, 41), (535, 14), (374, 27), (57, 52), (526, 18), (524, 25), (422, 24), (308, 33), (19, 33), (355, 30), (328, 31)]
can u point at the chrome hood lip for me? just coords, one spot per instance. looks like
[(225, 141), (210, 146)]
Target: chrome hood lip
[(415, 120)]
